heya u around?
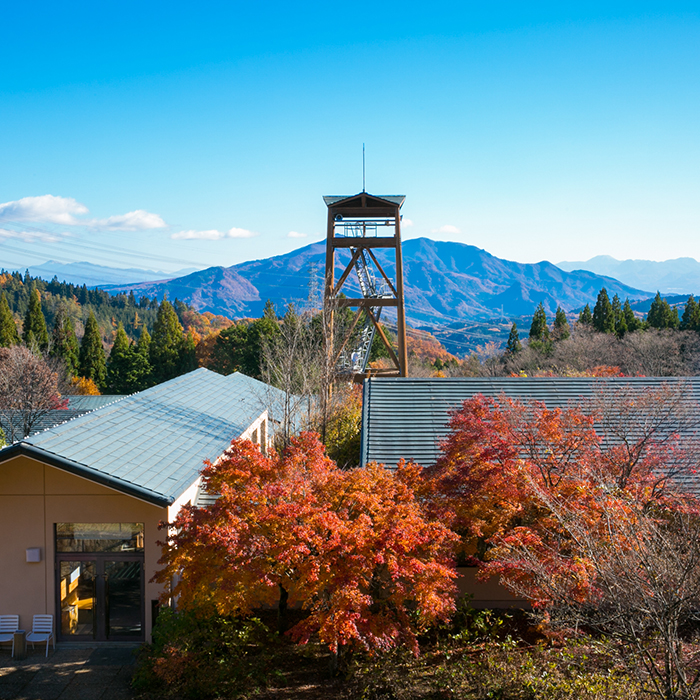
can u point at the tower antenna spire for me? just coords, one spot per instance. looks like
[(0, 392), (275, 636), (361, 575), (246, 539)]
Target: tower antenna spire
[(363, 168)]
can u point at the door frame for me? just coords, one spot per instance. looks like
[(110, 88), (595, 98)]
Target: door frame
[(100, 606)]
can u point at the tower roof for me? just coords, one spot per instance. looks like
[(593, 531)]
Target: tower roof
[(363, 200)]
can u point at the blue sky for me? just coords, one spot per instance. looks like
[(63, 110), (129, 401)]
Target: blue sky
[(170, 135)]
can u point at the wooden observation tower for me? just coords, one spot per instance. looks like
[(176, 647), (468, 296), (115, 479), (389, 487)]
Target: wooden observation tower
[(358, 227)]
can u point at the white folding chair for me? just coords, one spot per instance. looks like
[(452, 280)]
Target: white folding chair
[(9, 624), (42, 630)]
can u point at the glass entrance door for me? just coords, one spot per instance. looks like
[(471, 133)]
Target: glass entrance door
[(100, 581), (123, 599), (77, 598), (101, 598)]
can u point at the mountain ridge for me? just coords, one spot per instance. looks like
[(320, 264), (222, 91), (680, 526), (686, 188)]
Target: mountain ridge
[(444, 281), (677, 276)]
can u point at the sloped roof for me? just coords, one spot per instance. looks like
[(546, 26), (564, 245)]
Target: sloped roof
[(408, 417), (152, 444), (332, 200), (77, 406)]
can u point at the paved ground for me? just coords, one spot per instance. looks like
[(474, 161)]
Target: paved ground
[(68, 674)]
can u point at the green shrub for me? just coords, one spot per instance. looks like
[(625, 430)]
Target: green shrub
[(202, 655)]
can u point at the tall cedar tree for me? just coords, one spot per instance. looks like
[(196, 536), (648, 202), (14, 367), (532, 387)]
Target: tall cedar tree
[(603, 316), (144, 343), (34, 331), (619, 317), (127, 369), (64, 344), (513, 346), (631, 321), (538, 328), (561, 325), (239, 348), (91, 361), (585, 318), (8, 328), (171, 353), (691, 315), (661, 314)]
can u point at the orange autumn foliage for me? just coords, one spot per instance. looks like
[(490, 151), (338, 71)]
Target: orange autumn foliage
[(353, 548), (513, 476)]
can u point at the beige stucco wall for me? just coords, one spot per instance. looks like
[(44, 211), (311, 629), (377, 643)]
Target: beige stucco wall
[(34, 496)]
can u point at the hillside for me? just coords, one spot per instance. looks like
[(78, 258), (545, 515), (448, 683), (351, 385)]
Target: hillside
[(444, 282), (679, 276)]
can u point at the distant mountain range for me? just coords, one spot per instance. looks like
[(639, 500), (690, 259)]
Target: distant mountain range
[(98, 275), (679, 276), (444, 282)]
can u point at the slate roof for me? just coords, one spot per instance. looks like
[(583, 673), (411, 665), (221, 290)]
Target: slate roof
[(408, 417), (77, 406), (152, 444)]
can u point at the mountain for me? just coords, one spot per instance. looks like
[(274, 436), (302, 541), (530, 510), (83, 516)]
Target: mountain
[(444, 282), (99, 275), (679, 276)]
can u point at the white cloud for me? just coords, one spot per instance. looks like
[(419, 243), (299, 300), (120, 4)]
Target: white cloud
[(296, 234), (240, 233), (50, 209), (30, 236), (138, 220), (406, 222), (447, 228), (211, 235), (46, 208)]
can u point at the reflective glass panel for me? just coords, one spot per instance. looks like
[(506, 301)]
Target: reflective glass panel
[(77, 594), (99, 537), (123, 598)]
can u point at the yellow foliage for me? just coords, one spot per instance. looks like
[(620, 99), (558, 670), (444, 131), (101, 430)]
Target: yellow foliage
[(84, 386)]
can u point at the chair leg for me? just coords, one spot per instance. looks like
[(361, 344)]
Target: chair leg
[(47, 647)]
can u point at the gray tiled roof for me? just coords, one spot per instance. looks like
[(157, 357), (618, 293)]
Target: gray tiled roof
[(77, 406), (408, 417), (156, 440)]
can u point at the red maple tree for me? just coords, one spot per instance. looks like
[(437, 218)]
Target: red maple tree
[(354, 549)]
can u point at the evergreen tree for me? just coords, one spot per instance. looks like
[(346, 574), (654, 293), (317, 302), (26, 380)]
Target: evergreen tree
[(619, 317), (585, 318), (269, 311), (661, 315), (144, 343), (34, 331), (8, 327), (538, 328), (127, 368), (168, 353), (561, 325), (91, 362), (691, 315), (64, 344), (513, 346), (603, 317), (239, 348), (631, 321)]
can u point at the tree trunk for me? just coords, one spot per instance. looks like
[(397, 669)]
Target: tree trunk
[(282, 611)]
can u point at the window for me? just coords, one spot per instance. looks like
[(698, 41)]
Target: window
[(99, 537)]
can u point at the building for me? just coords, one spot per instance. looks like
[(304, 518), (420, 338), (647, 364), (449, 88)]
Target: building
[(409, 418), (81, 503)]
